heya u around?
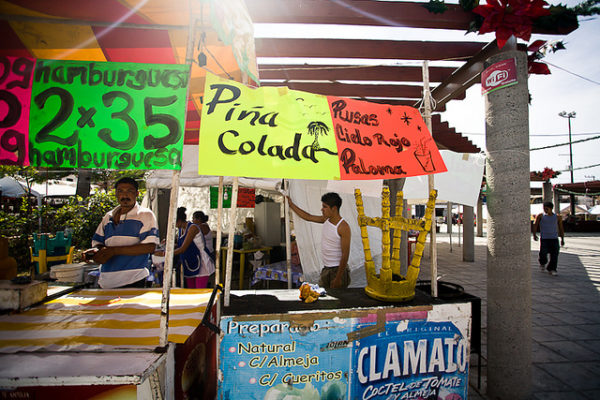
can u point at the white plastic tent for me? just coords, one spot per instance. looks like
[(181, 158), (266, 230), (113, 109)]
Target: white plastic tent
[(460, 185), (161, 179)]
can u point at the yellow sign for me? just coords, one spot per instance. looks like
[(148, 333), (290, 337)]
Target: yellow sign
[(268, 132)]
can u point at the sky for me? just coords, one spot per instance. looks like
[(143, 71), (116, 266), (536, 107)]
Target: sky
[(551, 94)]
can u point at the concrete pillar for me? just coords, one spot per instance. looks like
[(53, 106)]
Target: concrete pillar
[(479, 216), (468, 234), (84, 182), (547, 191), (556, 201), (508, 259)]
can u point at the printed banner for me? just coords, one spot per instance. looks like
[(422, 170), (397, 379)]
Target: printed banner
[(15, 95), (275, 132), (269, 359), (411, 360), (413, 355), (246, 197), (107, 115)]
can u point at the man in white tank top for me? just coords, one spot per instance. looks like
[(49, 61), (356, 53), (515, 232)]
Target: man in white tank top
[(335, 241)]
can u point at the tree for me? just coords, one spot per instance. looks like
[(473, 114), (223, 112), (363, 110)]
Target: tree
[(107, 178), (315, 129)]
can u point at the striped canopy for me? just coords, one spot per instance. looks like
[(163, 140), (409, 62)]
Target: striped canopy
[(143, 31), (103, 320)]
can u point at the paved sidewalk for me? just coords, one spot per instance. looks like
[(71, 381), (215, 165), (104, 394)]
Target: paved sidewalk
[(565, 314)]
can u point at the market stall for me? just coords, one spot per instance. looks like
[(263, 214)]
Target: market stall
[(106, 342), (348, 343)]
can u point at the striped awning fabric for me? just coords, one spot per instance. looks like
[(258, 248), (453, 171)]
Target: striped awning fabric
[(103, 320)]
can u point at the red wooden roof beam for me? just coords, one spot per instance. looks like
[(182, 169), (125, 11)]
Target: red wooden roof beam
[(363, 48), (351, 72)]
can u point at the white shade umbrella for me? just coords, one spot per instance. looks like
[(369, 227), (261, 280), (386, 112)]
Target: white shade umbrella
[(10, 187)]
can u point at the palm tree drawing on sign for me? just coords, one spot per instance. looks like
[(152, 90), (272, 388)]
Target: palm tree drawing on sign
[(317, 128)]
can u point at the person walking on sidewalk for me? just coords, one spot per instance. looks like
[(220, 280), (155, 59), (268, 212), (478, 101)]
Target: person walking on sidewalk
[(335, 240), (551, 227)]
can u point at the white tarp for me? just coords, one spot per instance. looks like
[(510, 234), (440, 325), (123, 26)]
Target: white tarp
[(579, 209), (367, 188), (595, 210), (460, 185), (55, 188), (161, 179), (307, 195)]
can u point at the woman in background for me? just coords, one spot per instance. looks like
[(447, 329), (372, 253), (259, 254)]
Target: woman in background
[(196, 262), (201, 220)]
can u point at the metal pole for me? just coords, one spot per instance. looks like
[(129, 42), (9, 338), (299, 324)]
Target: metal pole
[(430, 181), (463, 221), (288, 243), (449, 222), (568, 116), (479, 216), (572, 196)]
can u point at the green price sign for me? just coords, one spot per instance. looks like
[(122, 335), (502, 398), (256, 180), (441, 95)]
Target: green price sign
[(246, 197), (214, 197), (107, 115)]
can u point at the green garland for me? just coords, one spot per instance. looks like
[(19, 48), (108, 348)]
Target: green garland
[(561, 18), (436, 6), (589, 7), (576, 193)]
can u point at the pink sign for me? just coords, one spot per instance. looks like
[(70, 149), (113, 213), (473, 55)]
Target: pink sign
[(16, 75), (499, 75)]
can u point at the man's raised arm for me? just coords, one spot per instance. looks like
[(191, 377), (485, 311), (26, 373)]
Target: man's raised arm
[(304, 215)]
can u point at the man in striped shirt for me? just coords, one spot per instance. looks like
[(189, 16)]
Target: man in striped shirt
[(124, 240)]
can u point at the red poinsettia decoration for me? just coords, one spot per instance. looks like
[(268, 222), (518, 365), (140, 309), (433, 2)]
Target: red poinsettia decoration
[(543, 176), (534, 66), (510, 17), (549, 173)]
